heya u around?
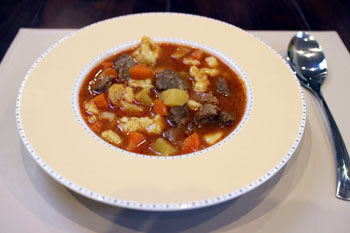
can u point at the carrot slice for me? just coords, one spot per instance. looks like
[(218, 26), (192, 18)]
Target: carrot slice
[(135, 139), (101, 101), (96, 127), (107, 64), (140, 72), (191, 144), (197, 54), (110, 72), (159, 108)]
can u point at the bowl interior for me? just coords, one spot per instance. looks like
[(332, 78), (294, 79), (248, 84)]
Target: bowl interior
[(225, 59)]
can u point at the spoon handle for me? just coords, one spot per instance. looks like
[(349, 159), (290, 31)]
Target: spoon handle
[(342, 156)]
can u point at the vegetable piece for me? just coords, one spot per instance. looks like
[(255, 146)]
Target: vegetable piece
[(163, 147), (96, 127), (153, 125), (159, 108), (194, 105), (211, 61), (190, 61), (135, 139), (198, 54), (107, 64), (115, 93), (210, 71), (128, 94), (148, 51), (143, 96), (107, 116), (201, 81), (130, 107), (91, 108), (180, 52), (212, 138), (140, 83), (111, 136), (174, 97), (140, 72), (111, 72), (92, 119), (101, 101), (191, 144)]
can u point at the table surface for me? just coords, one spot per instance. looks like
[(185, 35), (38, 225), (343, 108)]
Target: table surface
[(247, 14), (299, 198)]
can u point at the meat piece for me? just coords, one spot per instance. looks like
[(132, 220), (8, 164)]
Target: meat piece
[(208, 114), (175, 136), (226, 118), (222, 88), (123, 64), (101, 84), (178, 116), (169, 79), (189, 129), (204, 97)]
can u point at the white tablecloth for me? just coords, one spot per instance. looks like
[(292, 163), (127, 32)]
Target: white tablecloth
[(300, 198)]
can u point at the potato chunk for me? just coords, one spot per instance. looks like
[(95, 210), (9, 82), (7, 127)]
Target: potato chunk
[(128, 94), (148, 51), (115, 93), (107, 116), (111, 136), (163, 147), (174, 97), (130, 107), (143, 96), (212, 138)]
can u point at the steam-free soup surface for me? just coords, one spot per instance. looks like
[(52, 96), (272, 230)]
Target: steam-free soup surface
[(162, 99)]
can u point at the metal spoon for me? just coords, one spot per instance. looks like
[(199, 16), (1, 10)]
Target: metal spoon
[(307, 59)]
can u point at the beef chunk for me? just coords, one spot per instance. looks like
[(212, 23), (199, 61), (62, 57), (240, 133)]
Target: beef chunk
[(169, 79), (203, 97), (222, 88), (101, 83), (178, 116), (226, 118), (175, 136), (208, 114), (123, 64)]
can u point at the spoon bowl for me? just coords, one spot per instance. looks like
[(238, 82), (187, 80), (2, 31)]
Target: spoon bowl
[(306, 58)]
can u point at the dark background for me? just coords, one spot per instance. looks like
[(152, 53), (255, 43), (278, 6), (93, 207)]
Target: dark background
[(246, 14)]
